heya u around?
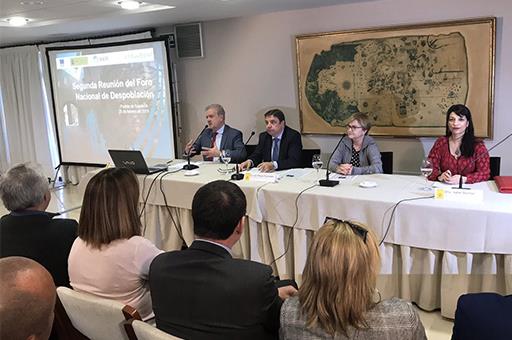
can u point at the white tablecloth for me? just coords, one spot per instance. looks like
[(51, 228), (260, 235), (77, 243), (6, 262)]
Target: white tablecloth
[(435, 250)]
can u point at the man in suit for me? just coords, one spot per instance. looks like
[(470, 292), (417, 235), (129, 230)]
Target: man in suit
[(27, 299), (279, 148), (203, 292), (218, 136), (28, 230), (483, 316)]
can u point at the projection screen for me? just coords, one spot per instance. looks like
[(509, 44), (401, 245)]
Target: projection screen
[(112, 96)]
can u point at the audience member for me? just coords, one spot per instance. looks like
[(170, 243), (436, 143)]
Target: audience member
[(279, 148), (203, 292), (357, 153), (483, 316), (110, 258), (28, 230), (27, 299), (338, 298), (459, 153), (219, 136)]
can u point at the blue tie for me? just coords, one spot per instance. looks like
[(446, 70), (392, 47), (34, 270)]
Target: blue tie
[(275, 150)]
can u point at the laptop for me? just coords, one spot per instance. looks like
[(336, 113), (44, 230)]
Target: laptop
[(134, 160)]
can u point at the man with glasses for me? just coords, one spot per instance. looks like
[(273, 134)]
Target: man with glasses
[(358, 153), (279, 148)]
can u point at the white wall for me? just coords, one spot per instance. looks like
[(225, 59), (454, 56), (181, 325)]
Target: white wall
[(250, 66)]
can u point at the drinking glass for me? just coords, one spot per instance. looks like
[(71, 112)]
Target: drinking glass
[(426, 170), (225, 156), (317, 163)]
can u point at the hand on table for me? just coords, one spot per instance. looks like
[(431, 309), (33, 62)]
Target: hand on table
[(344, 169)]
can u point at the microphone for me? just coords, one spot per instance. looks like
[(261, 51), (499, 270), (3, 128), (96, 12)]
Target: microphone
[(479, 157), (238, 176), (189, 166), (327, 182)]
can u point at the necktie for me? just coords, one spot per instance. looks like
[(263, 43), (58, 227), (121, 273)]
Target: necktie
[(275, 150), (214, 137)]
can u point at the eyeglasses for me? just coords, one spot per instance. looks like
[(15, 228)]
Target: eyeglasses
[(353, 127), (360, 231)]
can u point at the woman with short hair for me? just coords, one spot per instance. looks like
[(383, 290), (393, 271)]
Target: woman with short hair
[(110, 258), (338, 298), (357, 153)]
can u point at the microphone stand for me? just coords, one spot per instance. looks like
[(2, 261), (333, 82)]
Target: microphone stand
[(189, 166), (477, 158), (329, 182), (238, 176)]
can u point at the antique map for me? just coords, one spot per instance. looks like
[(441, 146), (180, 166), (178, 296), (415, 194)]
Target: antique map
[(400, 81)]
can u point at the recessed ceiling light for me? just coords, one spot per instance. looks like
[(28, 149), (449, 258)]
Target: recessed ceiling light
[(17, 21), (129, 4)]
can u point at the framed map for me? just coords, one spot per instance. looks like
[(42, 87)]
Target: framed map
[(404, 77)]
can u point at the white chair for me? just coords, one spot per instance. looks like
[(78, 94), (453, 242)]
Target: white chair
[(95, 317), (145, 331)]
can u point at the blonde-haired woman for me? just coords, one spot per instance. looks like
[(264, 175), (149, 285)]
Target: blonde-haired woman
[(110, 258), (338, 298)]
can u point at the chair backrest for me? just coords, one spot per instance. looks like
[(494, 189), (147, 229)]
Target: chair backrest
[(495, 162), (95, 317), (307, 156), (145, 331), (387, 161)]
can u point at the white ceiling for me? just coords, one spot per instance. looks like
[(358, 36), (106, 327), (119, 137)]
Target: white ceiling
[(52, 20)]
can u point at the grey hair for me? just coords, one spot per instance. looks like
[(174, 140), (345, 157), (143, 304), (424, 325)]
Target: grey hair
[(218, 108), (23, 186)]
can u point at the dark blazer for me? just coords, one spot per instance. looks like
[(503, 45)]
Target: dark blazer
[(483, 316), (231, 140), (204, 293), (290, 149), (34, 234)]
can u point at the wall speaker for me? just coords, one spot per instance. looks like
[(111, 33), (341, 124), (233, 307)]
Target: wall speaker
[(189, 40)]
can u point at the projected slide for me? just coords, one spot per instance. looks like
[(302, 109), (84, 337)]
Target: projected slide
[(112, 97)]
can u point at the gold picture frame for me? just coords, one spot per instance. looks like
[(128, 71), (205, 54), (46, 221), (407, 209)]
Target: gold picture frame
[(404, 77)]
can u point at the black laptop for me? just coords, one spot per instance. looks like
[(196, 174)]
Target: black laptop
[(134, 160)]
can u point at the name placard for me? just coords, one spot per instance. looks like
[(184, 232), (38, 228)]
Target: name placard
[(459, 195), (261, 176)]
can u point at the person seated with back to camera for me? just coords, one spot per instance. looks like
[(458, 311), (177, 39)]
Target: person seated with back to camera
[(357, 153), (459, 153), (279, 147), (338, 298), (27, 299), (29, 230), (110, 258), (217, 137), (203, 292)]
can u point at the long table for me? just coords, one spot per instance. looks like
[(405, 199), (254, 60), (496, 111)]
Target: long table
[(433, 252)]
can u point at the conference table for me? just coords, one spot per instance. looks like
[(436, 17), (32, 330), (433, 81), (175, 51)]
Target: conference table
[(433, 250)]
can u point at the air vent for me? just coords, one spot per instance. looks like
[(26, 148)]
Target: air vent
[(189, 40)]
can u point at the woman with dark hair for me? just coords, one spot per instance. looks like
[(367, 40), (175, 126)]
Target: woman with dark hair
[(459, 153), (110, 258), (357, 153), (338, 298)]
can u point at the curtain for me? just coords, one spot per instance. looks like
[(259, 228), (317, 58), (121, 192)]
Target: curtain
[(24, 121)]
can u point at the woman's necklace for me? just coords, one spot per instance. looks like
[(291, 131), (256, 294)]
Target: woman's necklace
[(455, 146)]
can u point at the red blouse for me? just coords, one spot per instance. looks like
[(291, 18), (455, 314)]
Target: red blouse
[(475, 168)]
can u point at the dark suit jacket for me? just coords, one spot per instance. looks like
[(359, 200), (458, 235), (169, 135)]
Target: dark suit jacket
[(34, 234), (204, 293), (483, 316), (231, 140), (290, 149)]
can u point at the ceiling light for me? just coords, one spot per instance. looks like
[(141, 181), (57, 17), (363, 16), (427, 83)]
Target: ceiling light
[(17, 21), (129, 4)]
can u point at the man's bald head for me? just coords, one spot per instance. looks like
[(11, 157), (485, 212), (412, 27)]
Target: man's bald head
[(27, 299)]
